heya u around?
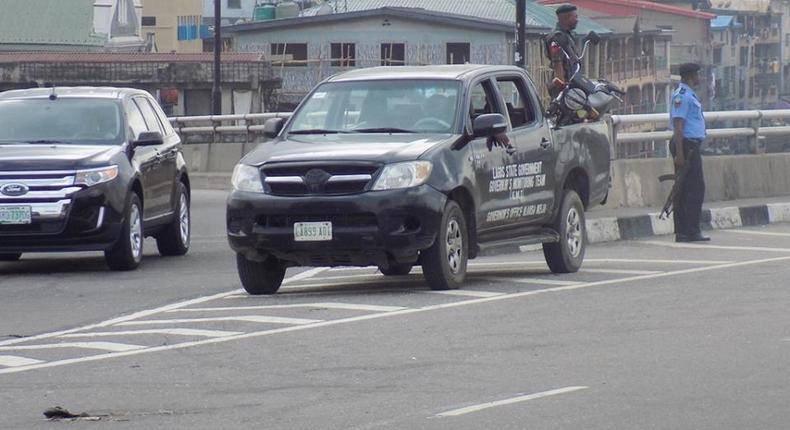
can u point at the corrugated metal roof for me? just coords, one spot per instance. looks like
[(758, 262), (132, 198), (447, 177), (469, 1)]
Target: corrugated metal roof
[(121, 57), (497, 10), (721, 21), (51, 22)]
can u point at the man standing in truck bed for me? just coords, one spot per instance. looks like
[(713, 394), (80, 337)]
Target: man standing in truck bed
[(562, 42)]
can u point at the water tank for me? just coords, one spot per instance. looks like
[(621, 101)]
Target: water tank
[(287, 9), (264, 12)]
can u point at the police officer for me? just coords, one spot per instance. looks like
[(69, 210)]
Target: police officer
[(563, 38), (688, 125)]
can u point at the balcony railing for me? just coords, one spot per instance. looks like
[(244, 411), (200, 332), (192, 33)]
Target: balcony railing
[(630, 68)]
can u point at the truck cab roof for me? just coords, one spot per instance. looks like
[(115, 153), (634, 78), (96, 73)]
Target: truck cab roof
[(454, 71)]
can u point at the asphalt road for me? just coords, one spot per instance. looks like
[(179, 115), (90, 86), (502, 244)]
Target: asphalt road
[(649, 335)]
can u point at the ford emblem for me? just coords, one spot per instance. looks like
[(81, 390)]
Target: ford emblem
[(14, 190)]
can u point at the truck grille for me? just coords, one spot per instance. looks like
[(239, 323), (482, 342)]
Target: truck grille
[(47, 193), (289, 179)]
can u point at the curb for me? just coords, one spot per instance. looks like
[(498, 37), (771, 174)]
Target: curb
[(634, 227)]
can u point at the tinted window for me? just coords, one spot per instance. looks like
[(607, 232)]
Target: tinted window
[(83, 121), (136, 122), (149, 115)]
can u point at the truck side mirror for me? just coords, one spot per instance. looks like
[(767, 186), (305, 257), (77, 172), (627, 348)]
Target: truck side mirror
[(149, 138), (490, 124), (272, 127)]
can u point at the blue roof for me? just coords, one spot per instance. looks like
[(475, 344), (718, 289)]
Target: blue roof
[(722, 21)]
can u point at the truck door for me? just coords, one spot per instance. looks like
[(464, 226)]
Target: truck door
[(530, 170), (489, 161)]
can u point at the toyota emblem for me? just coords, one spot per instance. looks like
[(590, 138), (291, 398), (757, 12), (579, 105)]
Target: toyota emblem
[(14, 190)]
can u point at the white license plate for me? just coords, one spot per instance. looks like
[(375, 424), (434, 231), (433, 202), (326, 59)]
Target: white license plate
[(15, 215), (312, 231)]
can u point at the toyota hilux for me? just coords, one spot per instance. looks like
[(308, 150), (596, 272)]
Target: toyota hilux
[(399, 166)]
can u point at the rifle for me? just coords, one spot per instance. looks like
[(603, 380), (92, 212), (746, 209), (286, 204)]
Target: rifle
[(679, 177)]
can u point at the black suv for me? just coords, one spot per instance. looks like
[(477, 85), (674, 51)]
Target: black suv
[(90, 169), (400, 166)]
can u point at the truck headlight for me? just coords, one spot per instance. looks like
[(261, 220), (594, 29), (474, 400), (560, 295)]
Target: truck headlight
[(403, 175), (93, 177), (247, 178)]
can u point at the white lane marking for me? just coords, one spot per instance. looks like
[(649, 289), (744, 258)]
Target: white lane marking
[(704, 245), (326, 305), (639, 260), (538, 281), (171, 331), (758, 233), (489, 405), (245, 318), (14, 361), (468, 293), (620, 271), (149, 312), (104, 346), (252, 335)]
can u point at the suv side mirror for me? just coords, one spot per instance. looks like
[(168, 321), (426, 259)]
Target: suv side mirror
[(149, 138), (272, 127), (490, 124)]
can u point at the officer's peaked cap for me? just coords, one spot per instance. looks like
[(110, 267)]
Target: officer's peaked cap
[(565, 8), (688, 69)]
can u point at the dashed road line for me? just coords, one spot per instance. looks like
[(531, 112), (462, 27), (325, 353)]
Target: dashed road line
[(704, 246), (510, 401), (620, 271), (15, 361), (243, 318), (343, 321), (104, 346), (170, 331), (467, 293), (324, 305), (758, 233)]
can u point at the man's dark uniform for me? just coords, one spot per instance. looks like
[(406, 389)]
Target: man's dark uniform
[(688, 203), (566, 40)]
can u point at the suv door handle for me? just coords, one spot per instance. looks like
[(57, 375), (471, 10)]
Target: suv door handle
[(544, 143)]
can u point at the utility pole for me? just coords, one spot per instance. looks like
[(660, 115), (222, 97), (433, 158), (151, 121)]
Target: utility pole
[(216, 91), (521, 23)]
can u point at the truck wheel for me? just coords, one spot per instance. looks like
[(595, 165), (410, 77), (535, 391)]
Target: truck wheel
[(127, 252), (567, 255), (396, 269), (444, 263), (175, 237), (260, 277), (10, 257)]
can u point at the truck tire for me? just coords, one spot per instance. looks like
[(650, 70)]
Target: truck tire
[(567, 255), (396, 269), (174, 239), (260, 277), (127, 252), (11, 257), (444, 263)]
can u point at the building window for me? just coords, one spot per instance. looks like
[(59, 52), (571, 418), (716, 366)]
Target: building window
[(458, 53), (189, 27), (149, 21), (343, 54), (717, 56), (289, 54), (393, 54), (234, 4)]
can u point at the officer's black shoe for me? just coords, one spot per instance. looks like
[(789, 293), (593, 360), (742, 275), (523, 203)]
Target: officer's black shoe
[(694, 238)]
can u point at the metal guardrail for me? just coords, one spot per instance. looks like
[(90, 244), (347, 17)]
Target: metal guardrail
[(251, 125)]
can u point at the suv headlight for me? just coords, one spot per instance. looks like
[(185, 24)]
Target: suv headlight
[(93, 177), (247, 178), (403, 175)]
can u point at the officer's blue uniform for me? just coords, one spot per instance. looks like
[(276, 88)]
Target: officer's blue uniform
[(688, 204)]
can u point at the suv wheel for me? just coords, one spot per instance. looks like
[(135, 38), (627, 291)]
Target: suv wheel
[(175, 237), (567, 255), (260, 277), (10, 257), (444, 263), (396, 269), (127, 252)]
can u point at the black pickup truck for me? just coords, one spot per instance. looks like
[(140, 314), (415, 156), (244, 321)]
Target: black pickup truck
[(398, 166), (90, 169)]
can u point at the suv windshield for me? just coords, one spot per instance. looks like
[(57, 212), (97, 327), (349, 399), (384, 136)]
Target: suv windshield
[(380, 106), (77, 121)]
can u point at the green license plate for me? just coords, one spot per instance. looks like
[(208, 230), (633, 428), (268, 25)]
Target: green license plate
[(312, 231), (15, 215)]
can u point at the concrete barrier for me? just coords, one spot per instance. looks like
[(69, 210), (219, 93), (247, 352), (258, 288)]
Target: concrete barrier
[(635, 182)]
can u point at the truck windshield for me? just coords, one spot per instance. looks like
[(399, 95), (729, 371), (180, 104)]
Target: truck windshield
[(379, 106), (62, 121)]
